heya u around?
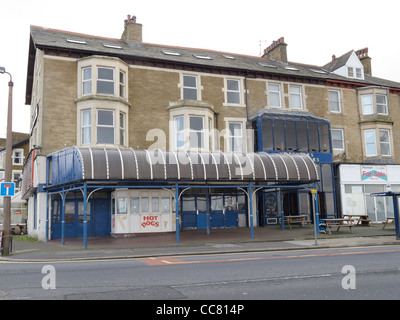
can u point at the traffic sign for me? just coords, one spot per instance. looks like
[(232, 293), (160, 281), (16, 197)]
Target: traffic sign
[(7, 189)]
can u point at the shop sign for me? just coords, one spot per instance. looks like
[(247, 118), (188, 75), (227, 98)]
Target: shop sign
[(150, 222), (373, 173)]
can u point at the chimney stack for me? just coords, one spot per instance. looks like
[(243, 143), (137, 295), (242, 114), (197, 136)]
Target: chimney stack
[(362, 54), (133, 31), (277, 51)]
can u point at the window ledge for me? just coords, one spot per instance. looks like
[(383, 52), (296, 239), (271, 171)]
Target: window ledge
[(190, 103), (103, 98)]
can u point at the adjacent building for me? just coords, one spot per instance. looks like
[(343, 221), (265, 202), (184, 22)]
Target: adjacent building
[(130, 137), (20, 149)]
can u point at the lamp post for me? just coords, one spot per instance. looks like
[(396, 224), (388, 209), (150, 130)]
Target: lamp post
[(7, 177)]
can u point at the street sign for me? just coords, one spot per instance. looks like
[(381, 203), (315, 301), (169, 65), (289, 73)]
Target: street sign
[(7, 189)]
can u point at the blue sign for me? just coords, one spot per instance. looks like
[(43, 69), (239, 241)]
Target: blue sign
[(7, 189)]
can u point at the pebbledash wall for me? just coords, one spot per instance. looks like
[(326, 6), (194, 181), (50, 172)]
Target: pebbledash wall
[(358, 181)]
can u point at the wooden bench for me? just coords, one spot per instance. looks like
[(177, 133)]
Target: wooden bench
[(339, 223), (388, 221), (300, 220), (359, 219)]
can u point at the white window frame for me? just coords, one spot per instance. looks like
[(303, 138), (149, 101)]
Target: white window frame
[(20, 162), (105, 80), (195, 88), (384, 104), (233, 137), (235, 92), (122, 128), (298, 95), (179, 133), (99, 126), (341, 139), (201, 144), (367, 108), (87, 81), (371, 142), (86, 127), (272, 92), (385, 142), (335, 104), (122, 84), (13, 177)]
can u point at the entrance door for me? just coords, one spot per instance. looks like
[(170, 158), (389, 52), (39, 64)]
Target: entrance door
[(270, 206), (201, 206), (189, 213), (217, 211), (290, 204), (376, 206), (101, 217)]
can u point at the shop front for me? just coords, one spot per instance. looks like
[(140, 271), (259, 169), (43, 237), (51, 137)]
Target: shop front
[(123, 192), (359, 181)]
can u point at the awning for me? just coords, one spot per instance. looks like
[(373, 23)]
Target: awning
[(103, 164)]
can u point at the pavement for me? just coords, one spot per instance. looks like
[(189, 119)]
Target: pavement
[(26, 249)]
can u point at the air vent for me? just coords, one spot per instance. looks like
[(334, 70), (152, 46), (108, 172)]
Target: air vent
[(112, 46), (76, 41)]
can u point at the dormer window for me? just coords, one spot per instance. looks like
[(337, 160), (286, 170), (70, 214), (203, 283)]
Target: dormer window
[(354, 72)]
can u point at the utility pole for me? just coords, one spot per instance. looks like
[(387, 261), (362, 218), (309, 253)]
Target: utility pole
[(7, 177)]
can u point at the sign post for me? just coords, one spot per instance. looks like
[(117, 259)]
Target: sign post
[(395, 196), (7, 189)]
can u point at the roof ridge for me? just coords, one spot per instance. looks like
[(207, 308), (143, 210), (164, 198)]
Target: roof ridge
[(76, 33), (146, 43)]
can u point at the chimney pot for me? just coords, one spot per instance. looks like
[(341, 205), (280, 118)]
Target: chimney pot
[(333, 57)]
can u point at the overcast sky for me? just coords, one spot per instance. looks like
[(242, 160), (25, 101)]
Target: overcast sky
[(313, 29)]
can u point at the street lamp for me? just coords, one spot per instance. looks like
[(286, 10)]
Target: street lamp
[(7, 177)]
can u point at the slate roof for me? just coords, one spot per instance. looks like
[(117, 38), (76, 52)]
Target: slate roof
[(91, 45)]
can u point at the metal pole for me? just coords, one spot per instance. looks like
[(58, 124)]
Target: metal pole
[(251, 212), (177, 212), (396, 216), (85, 215), (8, 171), (316, 225)]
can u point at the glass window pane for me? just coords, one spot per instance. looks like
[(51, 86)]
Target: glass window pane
[(290, 136), (105, 87), (233, 97), (190, 81), (233, 85), (135, 205), (165, 205), (189, 94), (122, 206), (87, 73), (334, 101), (267, 136), (155, 206), (105, 117), (105, 135), (370, 142), (367, 105), (106, 74), (196, 123), (145, 204)]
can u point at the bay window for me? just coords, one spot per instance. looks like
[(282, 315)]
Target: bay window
[(196, 133), (105, 80), (86, 126), (105, 126)]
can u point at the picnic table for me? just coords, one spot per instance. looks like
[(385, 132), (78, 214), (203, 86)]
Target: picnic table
[(388, 221), (359, 219), (301, 219), (339, 223)]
